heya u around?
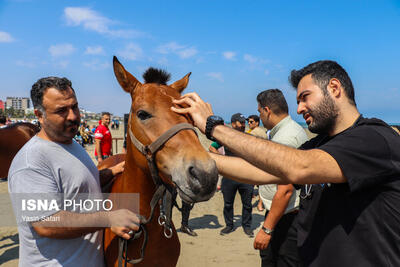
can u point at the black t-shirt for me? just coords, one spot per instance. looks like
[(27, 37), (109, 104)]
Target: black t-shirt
[(355, 223)]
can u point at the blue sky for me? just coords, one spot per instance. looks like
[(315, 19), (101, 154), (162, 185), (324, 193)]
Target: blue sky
[(234, 49)]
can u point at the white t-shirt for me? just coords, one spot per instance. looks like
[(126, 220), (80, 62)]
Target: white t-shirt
[(290, 133), (42, 166)]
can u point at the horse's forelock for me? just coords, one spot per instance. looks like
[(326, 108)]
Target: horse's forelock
[(159, 76)]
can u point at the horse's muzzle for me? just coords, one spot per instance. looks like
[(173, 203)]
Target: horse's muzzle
[(202, 179)]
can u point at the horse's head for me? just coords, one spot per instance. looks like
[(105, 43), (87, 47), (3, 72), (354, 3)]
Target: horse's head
[(181, 161)]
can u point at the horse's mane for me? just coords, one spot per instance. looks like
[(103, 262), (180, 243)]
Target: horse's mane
[(153, 75)]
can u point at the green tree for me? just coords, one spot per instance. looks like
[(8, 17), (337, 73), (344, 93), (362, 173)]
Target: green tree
[(10, 112)]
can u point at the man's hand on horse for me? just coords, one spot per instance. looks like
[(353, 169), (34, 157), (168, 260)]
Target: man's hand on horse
[(197, 108), (123, 223), (119, 168)]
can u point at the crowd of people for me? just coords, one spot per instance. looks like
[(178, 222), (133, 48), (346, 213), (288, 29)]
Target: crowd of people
[(329, 201)]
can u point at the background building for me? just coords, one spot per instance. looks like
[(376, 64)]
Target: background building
[(18, 102)]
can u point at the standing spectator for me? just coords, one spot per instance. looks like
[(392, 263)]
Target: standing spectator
[(254, 129), (103, 139), (230, 187), (277, 240), (83, 133), (186, 208)]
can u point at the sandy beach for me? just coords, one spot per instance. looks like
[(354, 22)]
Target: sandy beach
[(209, 248)]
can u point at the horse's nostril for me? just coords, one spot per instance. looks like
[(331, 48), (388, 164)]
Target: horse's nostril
[(192, 172)]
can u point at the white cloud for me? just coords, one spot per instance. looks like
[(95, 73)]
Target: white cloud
[(169, 47), (96, 65), (62, 64), (132, 51), (94, 50), (163, 61), (181, 50), (250, 58), (200, 60), (27, 64), (229, 55), (5, 37), (187, 53), (93, 21), (216, 76), (60, 50)]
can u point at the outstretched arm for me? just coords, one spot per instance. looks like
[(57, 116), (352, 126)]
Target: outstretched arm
[(240, 170), (291, 165)]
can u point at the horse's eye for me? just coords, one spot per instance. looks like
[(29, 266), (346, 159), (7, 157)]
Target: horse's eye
[(143, 115)]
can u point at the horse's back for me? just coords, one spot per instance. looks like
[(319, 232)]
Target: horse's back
[(12, 138), (111, 161)]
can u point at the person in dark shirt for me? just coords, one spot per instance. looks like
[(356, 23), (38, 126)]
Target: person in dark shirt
[(229, 188), (349, 210)]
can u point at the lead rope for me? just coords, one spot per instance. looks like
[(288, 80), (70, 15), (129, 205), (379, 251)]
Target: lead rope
[(123, 243), (162, 191)]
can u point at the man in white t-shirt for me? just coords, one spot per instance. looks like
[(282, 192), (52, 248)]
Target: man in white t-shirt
[(52, 163)]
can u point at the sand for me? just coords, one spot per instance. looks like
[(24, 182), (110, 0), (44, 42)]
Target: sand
[(209, 248)]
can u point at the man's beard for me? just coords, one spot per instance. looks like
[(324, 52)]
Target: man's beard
[(64, 135), (323, 116), (72, 123)]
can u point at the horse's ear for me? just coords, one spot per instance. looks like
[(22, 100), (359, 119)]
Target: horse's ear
[(127, 81), (181, 84)]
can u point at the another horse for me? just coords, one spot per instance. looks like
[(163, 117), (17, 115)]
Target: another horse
[(12, 138), (181, 161)]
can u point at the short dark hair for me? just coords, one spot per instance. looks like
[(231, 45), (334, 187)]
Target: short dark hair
[(322, 72), (3, 119), (39, 87), (105, 113), (254, 117), (273, 99), (238, 117)]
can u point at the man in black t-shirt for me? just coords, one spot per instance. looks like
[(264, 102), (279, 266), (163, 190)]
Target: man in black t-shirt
[(350, 199)]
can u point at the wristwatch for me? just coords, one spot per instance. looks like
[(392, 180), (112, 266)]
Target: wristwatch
[(267, 231), (212, 121)]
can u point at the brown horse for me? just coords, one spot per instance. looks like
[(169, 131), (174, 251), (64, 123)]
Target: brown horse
[(181, 162), (12, 138)]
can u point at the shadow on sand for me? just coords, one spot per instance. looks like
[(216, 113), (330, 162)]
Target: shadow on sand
[(11, 253), (210, 221)]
